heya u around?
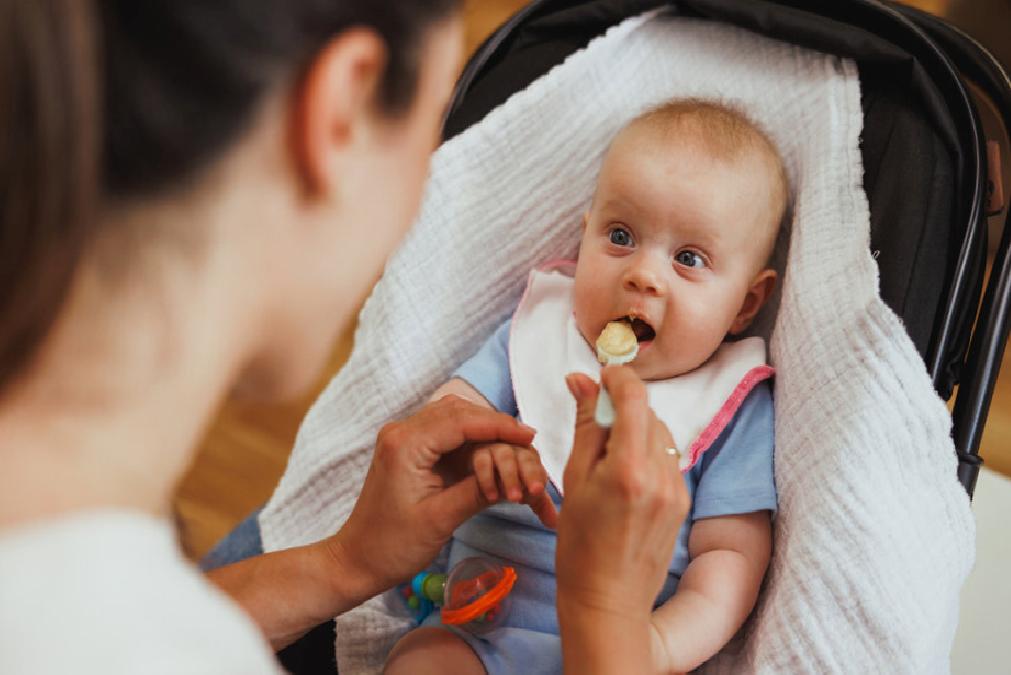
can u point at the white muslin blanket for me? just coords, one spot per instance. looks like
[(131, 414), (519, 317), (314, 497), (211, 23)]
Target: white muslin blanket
[(874, 535)]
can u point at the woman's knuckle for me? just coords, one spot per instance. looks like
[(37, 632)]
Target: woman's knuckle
[(458, 405), (667, 499), (631, 484), (446, 406), (390, 437)]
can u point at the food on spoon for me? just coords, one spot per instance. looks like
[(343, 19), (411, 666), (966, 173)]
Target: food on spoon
[(617, 344)]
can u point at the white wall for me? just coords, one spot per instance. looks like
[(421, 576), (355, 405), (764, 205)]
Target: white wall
[(983, 641)]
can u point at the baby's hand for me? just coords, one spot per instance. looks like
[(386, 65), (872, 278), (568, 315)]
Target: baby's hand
[(517, 475)]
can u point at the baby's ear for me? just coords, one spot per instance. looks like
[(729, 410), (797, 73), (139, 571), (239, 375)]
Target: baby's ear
[(760, 291)]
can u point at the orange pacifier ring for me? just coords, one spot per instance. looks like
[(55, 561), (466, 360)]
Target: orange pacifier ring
[(483, 604)]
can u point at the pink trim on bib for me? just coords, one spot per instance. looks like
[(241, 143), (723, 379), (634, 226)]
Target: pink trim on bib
[(730, 407)]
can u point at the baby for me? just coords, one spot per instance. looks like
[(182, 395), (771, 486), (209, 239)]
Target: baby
[(676, 244)]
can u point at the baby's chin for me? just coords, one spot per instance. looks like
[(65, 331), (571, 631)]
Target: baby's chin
[(650, 368), (651, 374), (652, 371)]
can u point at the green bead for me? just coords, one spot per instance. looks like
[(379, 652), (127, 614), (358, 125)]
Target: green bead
[(434, 587), (413, 602)]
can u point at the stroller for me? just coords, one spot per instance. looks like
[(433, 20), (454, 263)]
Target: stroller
[(932, 170), (925, 159)]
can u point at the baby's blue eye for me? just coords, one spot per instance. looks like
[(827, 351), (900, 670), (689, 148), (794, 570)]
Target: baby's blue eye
[(690, 259), (620, 237)]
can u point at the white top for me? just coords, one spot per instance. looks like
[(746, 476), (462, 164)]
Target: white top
[(110, 592)]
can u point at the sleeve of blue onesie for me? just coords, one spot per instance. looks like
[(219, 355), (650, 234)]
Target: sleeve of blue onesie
[(488, 371), (737, 472)]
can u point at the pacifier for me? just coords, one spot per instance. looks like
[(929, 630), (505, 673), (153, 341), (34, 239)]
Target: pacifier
[(474, 596)]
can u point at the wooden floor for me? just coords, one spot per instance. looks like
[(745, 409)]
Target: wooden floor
[(245, 451)]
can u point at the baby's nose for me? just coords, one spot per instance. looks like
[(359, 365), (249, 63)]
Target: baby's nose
[(642, 279)]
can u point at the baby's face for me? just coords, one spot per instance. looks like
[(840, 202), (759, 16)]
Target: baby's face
[(677, 240)]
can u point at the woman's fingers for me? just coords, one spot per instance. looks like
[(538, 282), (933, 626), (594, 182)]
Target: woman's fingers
[(451, 422), (445, 511), (411, 501), (622, 514), (631, 427), (589, 439), (661, 447), (668, 468)]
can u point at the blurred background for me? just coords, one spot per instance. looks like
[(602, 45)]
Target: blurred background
[(245, 450)]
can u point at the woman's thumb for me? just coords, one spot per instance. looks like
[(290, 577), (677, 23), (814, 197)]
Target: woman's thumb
[(583, 390), (589, 439), (455, 504)]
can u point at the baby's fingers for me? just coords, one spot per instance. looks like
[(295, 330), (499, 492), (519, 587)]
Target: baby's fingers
[(508, 471), (531, 470), (535, 478), (544, 509), (484, 471)]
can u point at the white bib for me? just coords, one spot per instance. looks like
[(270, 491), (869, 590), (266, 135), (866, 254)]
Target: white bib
[(545, 345)]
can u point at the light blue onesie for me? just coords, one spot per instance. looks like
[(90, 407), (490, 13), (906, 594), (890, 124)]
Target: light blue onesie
[(734, 476)]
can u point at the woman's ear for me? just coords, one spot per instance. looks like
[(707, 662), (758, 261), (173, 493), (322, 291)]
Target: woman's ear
[(760, 291), (334, 102)]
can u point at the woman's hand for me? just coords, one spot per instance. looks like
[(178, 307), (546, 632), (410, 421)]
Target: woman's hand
[(625, 502), (412, 500), (408, 508)]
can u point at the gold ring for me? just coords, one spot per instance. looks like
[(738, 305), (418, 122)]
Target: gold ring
[(683, 461)]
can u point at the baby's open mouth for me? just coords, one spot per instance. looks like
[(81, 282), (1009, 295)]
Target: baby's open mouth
[(643, 331)]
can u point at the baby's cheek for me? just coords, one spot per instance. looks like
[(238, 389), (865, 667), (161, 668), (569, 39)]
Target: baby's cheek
[(583, 308), (705, 327)]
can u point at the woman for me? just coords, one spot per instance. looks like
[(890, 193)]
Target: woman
[(195, 198)]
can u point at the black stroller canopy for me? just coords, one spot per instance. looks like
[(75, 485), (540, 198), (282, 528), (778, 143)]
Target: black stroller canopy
[(921, 143)]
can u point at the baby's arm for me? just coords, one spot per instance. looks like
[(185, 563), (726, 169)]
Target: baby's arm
[(729, 556), (504, 470)]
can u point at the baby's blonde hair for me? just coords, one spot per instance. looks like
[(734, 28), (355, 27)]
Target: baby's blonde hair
[(725, 133)]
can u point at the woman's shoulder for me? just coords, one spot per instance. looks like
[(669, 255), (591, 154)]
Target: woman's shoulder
[(109, 591)]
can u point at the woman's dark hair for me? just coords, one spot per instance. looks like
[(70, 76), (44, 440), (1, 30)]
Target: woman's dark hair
[(124, 99), (48, 165), (183, 76)]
